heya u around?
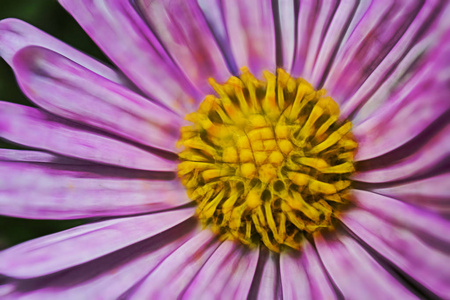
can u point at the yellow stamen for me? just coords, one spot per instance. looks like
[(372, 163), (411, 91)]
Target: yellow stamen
[(267, 161)]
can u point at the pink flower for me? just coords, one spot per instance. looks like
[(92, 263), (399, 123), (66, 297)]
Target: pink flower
[(103, 148)]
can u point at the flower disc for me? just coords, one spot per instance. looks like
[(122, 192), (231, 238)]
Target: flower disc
[(267, 161)]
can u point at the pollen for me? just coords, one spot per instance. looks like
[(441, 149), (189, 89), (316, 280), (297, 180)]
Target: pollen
[(267, 161)]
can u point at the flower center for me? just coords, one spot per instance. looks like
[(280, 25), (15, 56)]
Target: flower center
[(267, 161)]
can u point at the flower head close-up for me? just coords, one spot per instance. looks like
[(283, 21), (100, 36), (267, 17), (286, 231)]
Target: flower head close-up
[(231, 149)]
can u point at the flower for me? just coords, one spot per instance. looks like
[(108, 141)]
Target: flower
[(103, 148)]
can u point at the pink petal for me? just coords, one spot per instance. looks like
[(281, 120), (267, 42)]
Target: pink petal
[(322, 29), (38, 157), (386, 33), (425, 58), (403, 214), (294, 280), (16, 35), (251, 30), (266, 282), (32, 127), (78, 245), (174, 274), (287, 30), (111, 276), (228, 273), (213, 14), (356, 274), (428, 156), (307, 16), (421, 99), (303, 276), (33, 188), (68, 90), (335, 22), (414, 240), (184, 32), (126, 39), (432, 193), (312, 26)]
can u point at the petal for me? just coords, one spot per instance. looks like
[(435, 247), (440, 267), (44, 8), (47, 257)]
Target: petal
[(170, 279), (321, 27), (81, 244), (251, 30), (307, 16), (303, 276), (184, 32), (356, 274), (414, 240), (62, 191), (38, 157), (213, 13), (6, 289), (68, 90), (110, 276), (376, 46), (266, 282), (227, 274), (429, 156), (403, 214), (294, 280), (432, 193), (334, 22), (16, 35), (34, 128), (409, 111), (126, 39), (286, 33), (423, 61)]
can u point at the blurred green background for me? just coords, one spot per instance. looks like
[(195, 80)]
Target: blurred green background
[(50, 17)]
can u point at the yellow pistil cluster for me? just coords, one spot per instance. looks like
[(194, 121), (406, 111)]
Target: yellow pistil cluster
[(267, 160)]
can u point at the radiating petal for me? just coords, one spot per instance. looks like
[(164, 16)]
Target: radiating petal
[(31, 188), (409, 111), (432, 193), (306, 19), (6, 290), (427, 157), (303, 276), (356, 274), (377, 45), (270, 285), (34, 128), (110, 276), (68, 90), (227, 274), (314, 19), (38, 157), (414, 240), (294, 280), (323, 28), (84, 243), (266, 282), (287, 16), (334, 22), (184, 32), (16, 35), (213, 13), (126, 39), (170, 279), (403, 214), (426, 58), (251, 30)]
